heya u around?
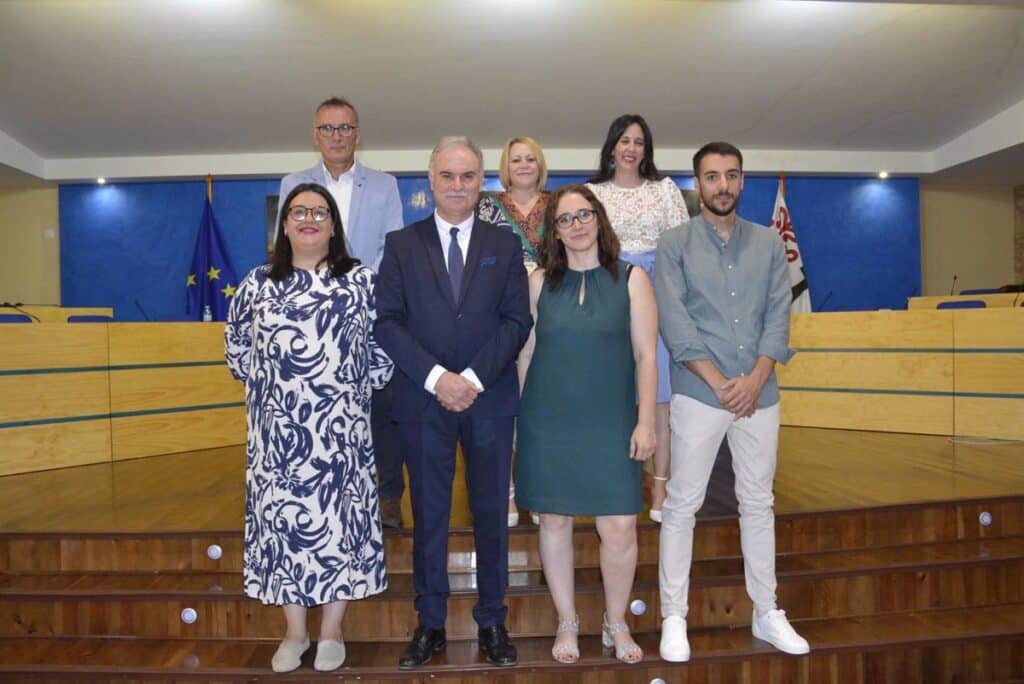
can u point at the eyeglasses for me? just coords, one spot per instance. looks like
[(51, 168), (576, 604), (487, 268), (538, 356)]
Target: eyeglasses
[(327, 130), (299, 213), (584, 216)]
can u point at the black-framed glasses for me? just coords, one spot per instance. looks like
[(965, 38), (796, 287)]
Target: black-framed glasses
[(327, 130), (299, 213), (584, 216)]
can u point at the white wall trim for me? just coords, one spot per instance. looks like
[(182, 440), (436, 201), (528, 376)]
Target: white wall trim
[(415, 161), (1003, 130), (17, 156)]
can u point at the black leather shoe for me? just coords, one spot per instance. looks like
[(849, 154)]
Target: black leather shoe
[(496, 645), (425, 644)]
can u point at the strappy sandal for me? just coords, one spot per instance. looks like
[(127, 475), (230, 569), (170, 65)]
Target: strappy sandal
[(630, 652), (566, 653)]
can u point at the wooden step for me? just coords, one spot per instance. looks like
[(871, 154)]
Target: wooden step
[(797, 533), (947, 645), (812, 585)]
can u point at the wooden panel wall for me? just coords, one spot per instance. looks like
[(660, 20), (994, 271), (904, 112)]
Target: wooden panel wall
[(54, 396), (89, 393), (170, 390), (890, 371), (989, 369)]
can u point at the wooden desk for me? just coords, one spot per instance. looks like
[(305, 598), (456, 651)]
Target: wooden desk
[(72, 394), (875, 370), (58, 314), (945, 372), (1002, 299)]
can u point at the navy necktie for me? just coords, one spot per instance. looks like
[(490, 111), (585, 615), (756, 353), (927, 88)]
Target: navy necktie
[(455, 265)]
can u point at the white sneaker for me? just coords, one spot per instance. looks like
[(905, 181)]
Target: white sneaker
[(674, 647), (774, 628)]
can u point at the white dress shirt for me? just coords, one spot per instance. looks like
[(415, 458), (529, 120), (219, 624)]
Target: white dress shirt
[(444, 231), (341, 191)]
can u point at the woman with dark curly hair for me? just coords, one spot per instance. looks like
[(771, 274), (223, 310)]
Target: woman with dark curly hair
[(299, 335)]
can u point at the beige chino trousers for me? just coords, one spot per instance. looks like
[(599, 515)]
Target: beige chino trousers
[(697, 432)]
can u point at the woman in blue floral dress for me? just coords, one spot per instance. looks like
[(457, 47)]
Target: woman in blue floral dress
[(299, 334)]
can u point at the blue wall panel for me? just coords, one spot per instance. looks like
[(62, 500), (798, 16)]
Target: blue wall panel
[(860, 237), (127, 241)]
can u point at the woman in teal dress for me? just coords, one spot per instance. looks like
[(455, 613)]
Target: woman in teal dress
[(581, 433)]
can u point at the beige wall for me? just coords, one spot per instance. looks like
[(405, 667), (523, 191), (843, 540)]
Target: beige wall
[(30, 234), (967, 231)]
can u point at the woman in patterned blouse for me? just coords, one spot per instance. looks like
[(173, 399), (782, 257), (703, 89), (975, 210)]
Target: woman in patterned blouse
[(300, 336), (641, 203), (520, 207)]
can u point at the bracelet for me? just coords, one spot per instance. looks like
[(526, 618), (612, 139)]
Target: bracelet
[(659, 478)]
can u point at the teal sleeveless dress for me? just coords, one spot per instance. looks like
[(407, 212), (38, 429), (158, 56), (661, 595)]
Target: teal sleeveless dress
[(578, 407)]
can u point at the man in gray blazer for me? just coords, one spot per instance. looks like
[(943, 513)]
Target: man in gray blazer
[(370, 208)]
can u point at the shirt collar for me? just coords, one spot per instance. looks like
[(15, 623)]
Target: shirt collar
[(446, 228), (713, 233), (345, 177)]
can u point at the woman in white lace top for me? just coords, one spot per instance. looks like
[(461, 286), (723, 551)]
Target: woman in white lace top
[(642, 204)]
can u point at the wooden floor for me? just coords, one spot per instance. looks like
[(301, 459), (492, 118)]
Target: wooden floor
[(818, 470), (899, 557)]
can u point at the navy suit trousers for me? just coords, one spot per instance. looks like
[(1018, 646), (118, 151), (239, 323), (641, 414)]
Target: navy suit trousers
[(429, 447)]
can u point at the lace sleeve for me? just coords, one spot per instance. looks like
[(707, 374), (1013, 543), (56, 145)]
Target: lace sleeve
[(675, 208)]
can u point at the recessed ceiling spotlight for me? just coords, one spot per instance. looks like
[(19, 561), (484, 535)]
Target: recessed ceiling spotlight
[(883, 174), (101, 181)]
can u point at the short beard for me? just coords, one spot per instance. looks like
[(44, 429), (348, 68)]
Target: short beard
[(720, 212)]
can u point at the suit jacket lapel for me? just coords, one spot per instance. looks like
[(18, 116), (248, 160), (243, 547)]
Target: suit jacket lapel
[(319, 174), (477, 238), (427, 230)]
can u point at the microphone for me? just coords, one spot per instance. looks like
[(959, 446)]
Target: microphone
[(138, 306), (821, 304), (17, 307), (952, 286)]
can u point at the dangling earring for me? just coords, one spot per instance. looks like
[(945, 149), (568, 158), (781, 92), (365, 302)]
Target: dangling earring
[(644, 165), (611, 164)]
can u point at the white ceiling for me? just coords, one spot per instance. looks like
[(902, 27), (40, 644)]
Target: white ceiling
[(156, 88)]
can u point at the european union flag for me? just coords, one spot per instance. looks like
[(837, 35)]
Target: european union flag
[(211, 280)]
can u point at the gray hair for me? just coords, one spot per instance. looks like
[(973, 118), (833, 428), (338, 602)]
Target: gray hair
[(456, 141)]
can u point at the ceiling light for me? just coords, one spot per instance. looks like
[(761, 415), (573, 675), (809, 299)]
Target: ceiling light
[(883, 174), (101, 181)]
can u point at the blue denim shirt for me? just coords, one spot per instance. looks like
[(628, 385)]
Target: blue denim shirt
[(726, 302)]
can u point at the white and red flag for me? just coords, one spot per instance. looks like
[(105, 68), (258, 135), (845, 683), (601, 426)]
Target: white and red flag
[(797, 278)]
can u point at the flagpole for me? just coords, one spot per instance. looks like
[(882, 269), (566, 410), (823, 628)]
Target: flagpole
[(782, 182), (209, 187)]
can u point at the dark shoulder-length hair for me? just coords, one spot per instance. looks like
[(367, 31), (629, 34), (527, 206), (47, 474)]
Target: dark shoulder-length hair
[(552, 250), (606, 169), (338, 259)]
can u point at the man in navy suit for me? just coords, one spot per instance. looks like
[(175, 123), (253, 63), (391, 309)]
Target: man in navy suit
[(370, 208), (453, 312)]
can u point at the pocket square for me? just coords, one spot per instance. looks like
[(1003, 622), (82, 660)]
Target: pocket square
[(488, 261)]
